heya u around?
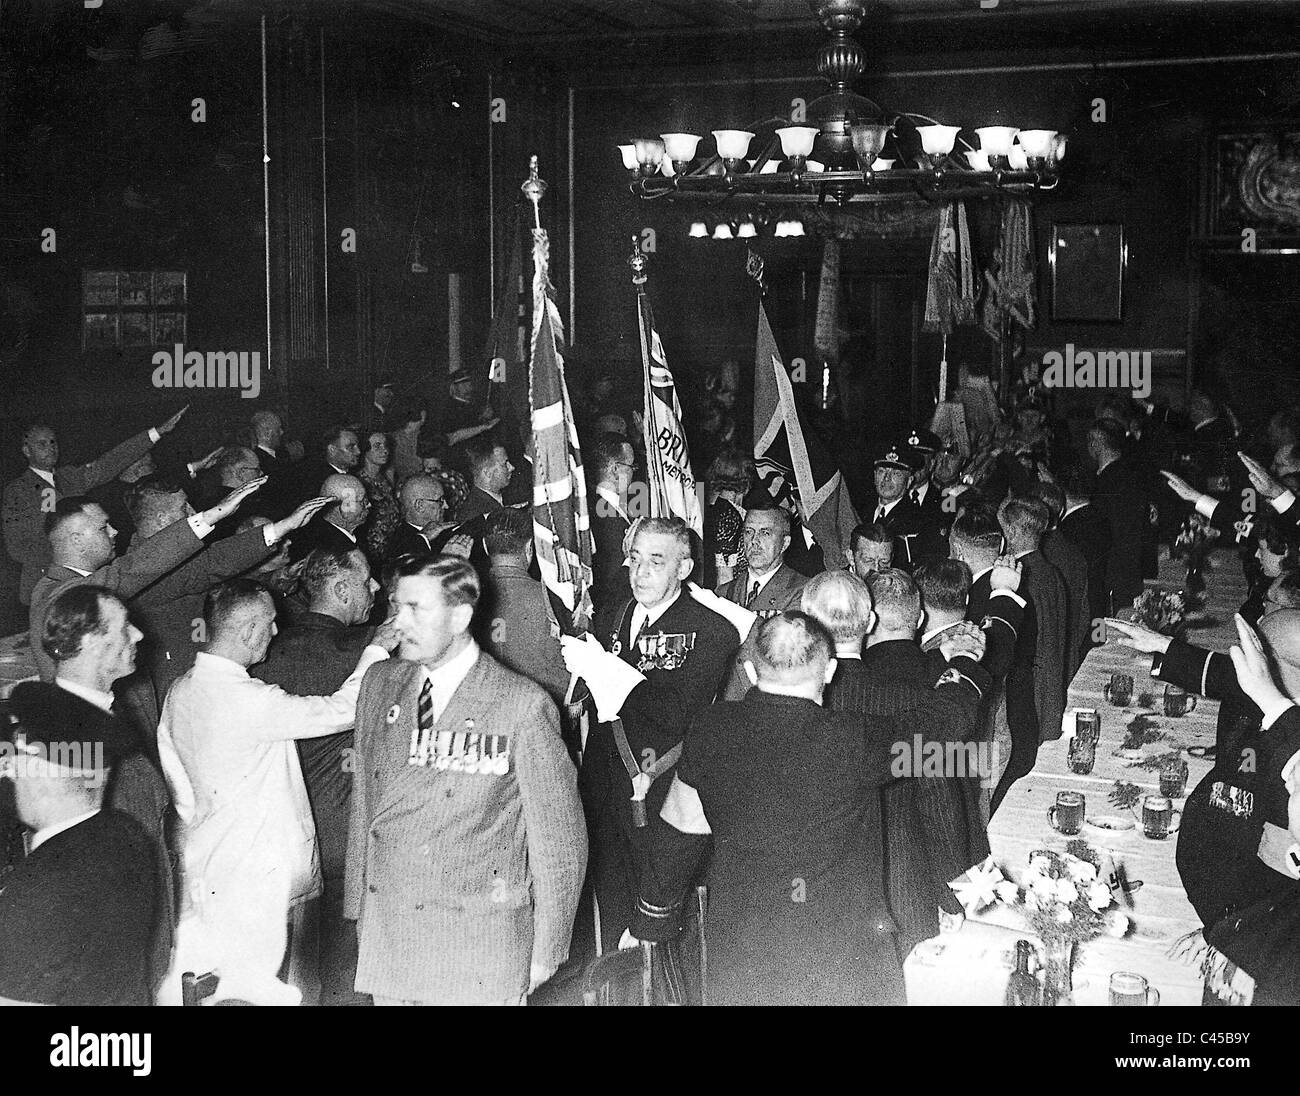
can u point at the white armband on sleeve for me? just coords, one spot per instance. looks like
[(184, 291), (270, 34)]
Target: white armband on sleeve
[(683, 810), (1285, 499), (1205, 506)]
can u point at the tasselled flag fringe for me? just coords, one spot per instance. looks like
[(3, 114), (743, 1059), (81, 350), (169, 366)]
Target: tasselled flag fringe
[(561, 525)]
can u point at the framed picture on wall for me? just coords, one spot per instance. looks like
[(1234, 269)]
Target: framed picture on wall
[(1253, 183), (136, 308), (1087, 264)]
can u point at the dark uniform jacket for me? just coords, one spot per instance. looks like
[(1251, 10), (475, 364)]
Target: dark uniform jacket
[(610, 583), (1069, 561), (1121, 498), (654, 716), (1086, 528), (796, 913), (1225, 815), (933, 526), (931, 824), (906, 524), (1044, 588), (77, 917)]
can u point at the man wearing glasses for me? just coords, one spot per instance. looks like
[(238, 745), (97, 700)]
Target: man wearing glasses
[(423, 528)]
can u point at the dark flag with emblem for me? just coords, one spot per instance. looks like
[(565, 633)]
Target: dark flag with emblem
[(561, 527), (507, 348), (668, 458), (793, 463)]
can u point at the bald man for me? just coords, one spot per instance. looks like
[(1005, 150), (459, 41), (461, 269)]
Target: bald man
[(336, 527), (1227, 848), (29, 498)]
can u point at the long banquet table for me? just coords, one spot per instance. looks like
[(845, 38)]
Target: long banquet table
[(972, 965)]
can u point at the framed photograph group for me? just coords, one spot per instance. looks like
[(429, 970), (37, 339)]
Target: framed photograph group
[(121, 309)]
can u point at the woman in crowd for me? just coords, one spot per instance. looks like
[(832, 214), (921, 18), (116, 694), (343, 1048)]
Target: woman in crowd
[(729, 480), (375, 472)]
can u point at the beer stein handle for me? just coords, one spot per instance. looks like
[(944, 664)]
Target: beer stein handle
[(1153, 996), (1106, 692), (1175, 820), (1191, 702), (1051, 818)]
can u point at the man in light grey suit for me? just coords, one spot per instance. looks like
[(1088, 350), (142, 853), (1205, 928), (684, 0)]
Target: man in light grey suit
[(467, 846)]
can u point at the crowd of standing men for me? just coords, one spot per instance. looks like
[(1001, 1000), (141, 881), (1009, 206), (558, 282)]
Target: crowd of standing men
[(346, 754)]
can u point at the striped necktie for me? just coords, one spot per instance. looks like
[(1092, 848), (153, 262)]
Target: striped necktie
[(421, 741)]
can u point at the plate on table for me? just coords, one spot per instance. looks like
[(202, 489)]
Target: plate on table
[(1111, 826)]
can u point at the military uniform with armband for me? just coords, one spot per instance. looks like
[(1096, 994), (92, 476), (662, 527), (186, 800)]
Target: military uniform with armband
[(646, 698)]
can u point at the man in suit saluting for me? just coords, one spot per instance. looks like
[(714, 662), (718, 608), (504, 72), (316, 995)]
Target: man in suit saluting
[(466, 849)]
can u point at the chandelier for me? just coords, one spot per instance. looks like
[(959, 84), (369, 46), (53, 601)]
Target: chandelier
[(838, 155)]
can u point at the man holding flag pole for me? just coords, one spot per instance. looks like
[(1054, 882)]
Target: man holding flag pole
[(659, 658)]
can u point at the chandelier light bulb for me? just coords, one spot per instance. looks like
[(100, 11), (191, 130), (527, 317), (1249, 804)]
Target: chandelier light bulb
[(937, 140), (1018, 160), (629, 156), (1037, 143), (747, 231), (649, 153), (797, 141), (979, 161), (882, 164), (723, 232), (699, 230), (868, 140), (732, 143), (680, 146), (996, 140), (1058, 147)]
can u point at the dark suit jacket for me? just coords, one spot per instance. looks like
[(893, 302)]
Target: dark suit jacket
[(933, 832), (783, 591), (477, 504), (144, 564), (1087, 529), (170, 612), (406, 540), (933, 525), (313, 657), (1062, 554), (1121, 498), (279, 495), (610, 582), (28, 498), (791, 792), (657, 711), (906, 524), (514, 626), (1043, 587), (320, 533), (1018, 683), (78, 917)]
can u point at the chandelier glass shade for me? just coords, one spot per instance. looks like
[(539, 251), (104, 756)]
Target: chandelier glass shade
[(848, 149)]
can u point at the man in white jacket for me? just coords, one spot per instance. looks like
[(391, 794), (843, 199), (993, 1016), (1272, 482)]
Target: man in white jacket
[(248, 842)]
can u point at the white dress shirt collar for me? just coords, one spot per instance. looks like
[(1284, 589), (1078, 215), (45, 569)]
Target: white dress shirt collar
[(1077, 506), (351, 536), (103, 701), (41, 836), (639, 614), (447, 678), (888, 506), (266, 449), (219, 664), (48, 477), (604, 491), (980, 574), (78, 570)]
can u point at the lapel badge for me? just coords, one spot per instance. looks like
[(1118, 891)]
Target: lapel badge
[(616, 648), (469, 726), (394, 712)]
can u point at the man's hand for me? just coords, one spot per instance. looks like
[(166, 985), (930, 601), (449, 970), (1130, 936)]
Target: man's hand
[(1181, 488), (301, 516), (963, 639), (579, 653), (1260, 479), (460, 545), (170, 424), (1253, 674), (204, 463), (386, 635), (1137, 637), (537, 974), (1005, 574), (230, 503)]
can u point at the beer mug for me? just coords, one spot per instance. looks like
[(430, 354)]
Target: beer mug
[(1131, 989), (1178, 702), (1173, 779), (1119, 690), (1159, 819), (1082, 751), (1066, 815)]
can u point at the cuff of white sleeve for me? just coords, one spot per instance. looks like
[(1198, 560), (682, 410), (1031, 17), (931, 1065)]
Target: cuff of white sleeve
[(201, 528), (1205, 506), (268, 534), (154, 436), (612, 686), (1011, 594), (1274, 712), (1285, 499)]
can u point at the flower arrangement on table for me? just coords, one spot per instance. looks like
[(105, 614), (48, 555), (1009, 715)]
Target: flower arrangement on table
[(1160, 610), (1192, 545), (1062, 896)]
